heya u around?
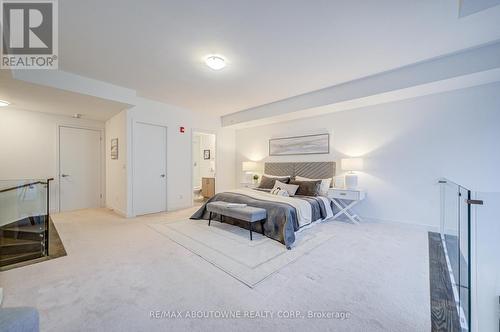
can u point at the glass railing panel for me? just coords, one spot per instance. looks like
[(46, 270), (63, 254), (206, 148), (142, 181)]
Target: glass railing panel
[(450, 210), (462, 275), (455, 235), (23, 220), (22, 199)]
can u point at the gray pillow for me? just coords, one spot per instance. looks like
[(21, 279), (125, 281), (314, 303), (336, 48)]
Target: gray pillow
[(268, 183), (307, 188)]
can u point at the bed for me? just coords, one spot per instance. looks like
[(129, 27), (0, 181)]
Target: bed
[(285, 215)]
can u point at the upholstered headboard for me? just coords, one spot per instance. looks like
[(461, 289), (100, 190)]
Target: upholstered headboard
[(313, 170)]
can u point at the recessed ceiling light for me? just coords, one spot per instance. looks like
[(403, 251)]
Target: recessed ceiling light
[(4, 103), (215, 62)]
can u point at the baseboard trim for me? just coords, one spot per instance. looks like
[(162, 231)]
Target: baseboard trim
[(117, 211)]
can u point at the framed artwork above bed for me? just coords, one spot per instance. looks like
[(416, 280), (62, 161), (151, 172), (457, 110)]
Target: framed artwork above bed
[(300, 145)]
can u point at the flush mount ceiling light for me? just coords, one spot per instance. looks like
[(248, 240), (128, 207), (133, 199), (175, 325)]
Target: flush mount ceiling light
[(216, 62), (4, 103)]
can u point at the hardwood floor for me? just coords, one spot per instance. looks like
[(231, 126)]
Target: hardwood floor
[(444, 315)]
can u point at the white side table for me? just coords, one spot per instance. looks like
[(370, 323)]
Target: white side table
[(345, 200), (250, 185)]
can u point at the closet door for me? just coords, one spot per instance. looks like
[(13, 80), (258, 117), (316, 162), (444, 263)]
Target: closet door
[(150, 168)]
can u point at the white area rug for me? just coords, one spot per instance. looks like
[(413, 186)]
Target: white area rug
[(229, 247)]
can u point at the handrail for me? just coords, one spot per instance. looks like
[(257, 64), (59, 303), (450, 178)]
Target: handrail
[(445, 180), (26, 185), (468, 201)]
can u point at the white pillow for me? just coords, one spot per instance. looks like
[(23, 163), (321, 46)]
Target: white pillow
[(291, 188), (280, 192), (325, 184)]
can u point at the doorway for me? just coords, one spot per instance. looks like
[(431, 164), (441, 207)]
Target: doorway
[(203, 165), (150, 168), (79, 168)]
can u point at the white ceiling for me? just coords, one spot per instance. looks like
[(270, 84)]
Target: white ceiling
[(275, 48), (32, 97)]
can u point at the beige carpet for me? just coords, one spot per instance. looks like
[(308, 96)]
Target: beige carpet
[(229, 248), (119, 270)]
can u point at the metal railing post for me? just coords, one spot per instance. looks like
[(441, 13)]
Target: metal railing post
[(47, 216)]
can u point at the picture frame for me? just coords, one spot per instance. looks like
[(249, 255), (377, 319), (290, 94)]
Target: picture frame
[(206, 154), (114, 148), (300, 145)]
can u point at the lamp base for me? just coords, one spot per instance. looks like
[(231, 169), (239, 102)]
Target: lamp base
[(248, 177), (351, 181)]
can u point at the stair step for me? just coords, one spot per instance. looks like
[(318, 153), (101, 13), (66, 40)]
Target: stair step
[(18, 258), (35, 221), (34, 233), (9, 241), (21, 235), (15, 246), (30, 228)]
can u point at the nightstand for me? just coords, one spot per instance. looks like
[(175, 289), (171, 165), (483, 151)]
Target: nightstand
[(345, 200), (250, 185)]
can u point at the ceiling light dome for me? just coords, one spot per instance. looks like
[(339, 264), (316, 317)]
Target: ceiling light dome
[(215, 62), (4, 103)]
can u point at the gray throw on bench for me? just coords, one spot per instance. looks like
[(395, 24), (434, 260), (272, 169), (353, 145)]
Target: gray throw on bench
[(248, 213)]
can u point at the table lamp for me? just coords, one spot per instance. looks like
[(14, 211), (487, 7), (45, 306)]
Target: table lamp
[(350, 165), (249, 167)]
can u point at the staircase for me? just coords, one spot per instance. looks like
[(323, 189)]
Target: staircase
[(23, 240), (24, 221)]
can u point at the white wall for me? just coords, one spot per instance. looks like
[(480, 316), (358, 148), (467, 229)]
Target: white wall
[(226, 170), (179, 176), (406, 145), (120, 196), (28, 145), (116, 169), (178, 149)]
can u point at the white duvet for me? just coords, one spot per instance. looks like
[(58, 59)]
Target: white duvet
[(304, 210)]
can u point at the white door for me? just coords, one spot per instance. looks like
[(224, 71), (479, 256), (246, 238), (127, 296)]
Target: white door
[(150, 165), (79, 168)]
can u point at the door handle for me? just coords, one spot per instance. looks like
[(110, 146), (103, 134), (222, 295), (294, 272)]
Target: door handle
[(64, 175)]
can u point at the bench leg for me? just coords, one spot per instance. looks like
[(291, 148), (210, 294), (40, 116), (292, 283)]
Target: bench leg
[(250, 228), (209, 218), (262, 226)]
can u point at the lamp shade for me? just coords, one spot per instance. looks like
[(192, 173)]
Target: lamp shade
[(352, 164), (249, 166)]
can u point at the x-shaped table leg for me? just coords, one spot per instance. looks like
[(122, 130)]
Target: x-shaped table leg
[(345, 209)]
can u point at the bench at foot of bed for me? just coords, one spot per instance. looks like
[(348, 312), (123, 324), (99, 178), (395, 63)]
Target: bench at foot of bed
[(249, 214)]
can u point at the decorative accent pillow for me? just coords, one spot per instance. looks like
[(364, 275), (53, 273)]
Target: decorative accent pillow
[(325, 184), (279, 192), (290, 188), (267, 182), (307, 188)]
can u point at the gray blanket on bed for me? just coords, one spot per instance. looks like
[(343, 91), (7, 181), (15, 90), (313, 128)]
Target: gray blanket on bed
[(281, 223)]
